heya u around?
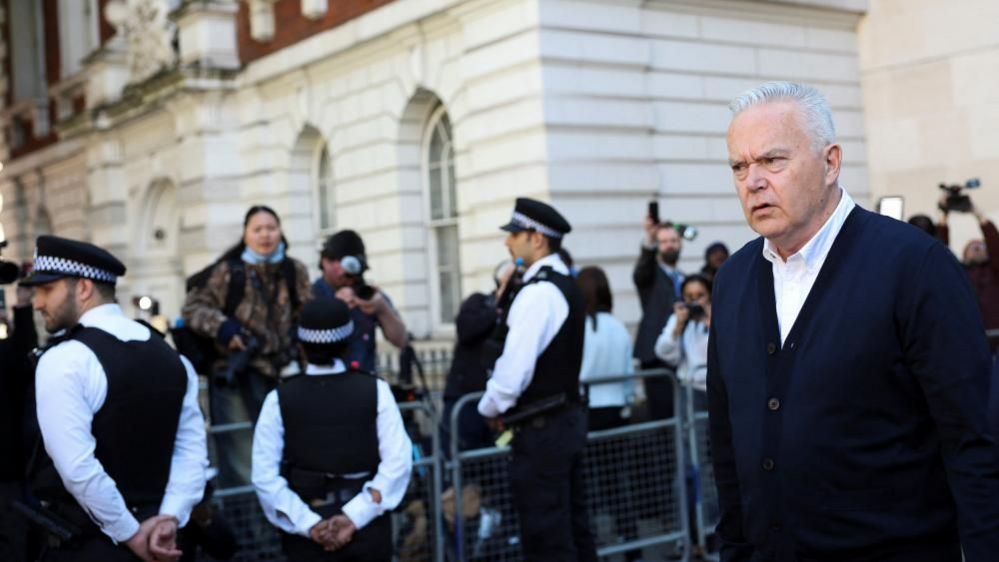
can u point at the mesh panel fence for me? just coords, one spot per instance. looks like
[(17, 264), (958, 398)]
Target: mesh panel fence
[(632, 476), (632, 493), (708, 493)]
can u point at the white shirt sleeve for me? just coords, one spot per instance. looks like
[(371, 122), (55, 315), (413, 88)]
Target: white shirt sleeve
[(70, 386), (536, 316), (669, 348), (281, 505), (587, 370), (394, 469), (186, 486)]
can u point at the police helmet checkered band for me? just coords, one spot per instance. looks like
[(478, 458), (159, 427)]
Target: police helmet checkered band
[(305, 335), (63, 266), (527, 222)]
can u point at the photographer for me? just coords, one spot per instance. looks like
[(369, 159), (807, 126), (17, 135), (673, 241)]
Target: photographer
[(683, 343), (475, 323), (658, 282), (982, 271), (258, 331), (343, 263)]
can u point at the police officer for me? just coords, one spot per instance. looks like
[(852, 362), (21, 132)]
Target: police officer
[(535, 388), (117, 413), (330, 454)]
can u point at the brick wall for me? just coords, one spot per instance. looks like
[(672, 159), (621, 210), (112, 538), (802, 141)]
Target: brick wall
[(291, 26)]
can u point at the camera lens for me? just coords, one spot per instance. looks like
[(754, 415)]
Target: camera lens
[(351, 265)]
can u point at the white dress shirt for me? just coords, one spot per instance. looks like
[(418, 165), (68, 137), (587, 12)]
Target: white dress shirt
[(536, 316), (688, 353), (285, 509), (793, 279), (607, 353), (70, 388)]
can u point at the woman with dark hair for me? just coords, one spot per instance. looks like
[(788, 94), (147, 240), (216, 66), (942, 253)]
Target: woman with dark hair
[(606, 353), (249, 304), (683, 342)]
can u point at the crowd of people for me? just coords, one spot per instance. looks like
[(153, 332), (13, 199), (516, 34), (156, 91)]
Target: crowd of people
[(842, 357)]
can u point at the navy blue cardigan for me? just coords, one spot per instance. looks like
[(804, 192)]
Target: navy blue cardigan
[(865, 436)]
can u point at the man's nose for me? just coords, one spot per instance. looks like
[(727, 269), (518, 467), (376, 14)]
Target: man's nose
[(756, 178)]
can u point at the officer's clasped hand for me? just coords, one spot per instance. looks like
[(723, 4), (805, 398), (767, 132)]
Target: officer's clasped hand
[(333, 533)]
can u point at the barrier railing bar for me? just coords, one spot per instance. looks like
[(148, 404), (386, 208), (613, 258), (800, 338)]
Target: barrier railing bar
[(640, 543)]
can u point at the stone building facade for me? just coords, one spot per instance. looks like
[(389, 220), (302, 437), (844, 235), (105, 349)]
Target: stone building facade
[(931, 94), (415, 122)]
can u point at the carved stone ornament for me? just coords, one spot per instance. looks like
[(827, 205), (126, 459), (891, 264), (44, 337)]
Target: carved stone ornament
[(147, 33)]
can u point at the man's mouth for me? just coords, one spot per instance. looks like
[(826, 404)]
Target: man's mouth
[(760, 207)]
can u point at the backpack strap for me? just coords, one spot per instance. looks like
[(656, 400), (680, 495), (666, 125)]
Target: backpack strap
[(237, 286), (291, 280)]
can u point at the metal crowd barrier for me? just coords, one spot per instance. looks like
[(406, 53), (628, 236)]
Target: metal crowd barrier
[(418, 532), (635, 489), (706, 507)]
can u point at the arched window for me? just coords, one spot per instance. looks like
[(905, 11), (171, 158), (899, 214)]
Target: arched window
[(324, 190), (442, 216)]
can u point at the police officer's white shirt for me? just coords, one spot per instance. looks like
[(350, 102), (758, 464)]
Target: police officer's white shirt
[(285, 509), (70, 387), (536, 316), (793, 279)]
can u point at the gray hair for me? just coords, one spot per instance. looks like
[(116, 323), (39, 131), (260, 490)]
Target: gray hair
[(813, 105)]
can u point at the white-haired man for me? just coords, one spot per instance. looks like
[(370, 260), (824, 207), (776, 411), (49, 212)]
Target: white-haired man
[(847, 365)]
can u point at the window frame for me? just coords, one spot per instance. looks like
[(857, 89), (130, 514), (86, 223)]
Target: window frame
[(319, 184), (433, 227)]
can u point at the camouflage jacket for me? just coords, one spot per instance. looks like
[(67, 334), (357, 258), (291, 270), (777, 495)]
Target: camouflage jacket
[(270, 320)]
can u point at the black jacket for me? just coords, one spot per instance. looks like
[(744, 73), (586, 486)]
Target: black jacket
[(474, 325), (657, 295), (16, 376)]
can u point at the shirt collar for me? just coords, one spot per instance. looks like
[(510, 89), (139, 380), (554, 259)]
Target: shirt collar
[(814, 252), (551, 260), (94, 316), (336, 368)]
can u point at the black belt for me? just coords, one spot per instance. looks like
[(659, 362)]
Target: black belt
[(322, 488), (536, 414)]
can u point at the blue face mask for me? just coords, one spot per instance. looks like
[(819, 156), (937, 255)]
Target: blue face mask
[(253, 258)]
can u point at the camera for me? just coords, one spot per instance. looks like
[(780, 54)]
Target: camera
[(354, 267), (956, 200), (688, 232), (238, 362), (695, 310)]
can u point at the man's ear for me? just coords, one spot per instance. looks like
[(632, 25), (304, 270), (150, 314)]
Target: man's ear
[(538, 241), (834, 160), (83, 290)]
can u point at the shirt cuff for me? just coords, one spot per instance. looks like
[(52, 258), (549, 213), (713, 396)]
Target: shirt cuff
[(308, 521), (487, 407), (362, 510), (173, 506), (123, 529)]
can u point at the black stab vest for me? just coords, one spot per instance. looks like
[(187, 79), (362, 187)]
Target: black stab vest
[(136, 427), (330, 423), (557, 368)]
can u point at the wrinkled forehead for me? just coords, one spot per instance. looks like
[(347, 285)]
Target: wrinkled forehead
[(764, 127)]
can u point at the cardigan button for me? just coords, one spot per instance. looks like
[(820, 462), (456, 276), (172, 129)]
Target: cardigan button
[(773, 404), (768, 465), (771, 348)]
